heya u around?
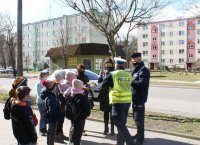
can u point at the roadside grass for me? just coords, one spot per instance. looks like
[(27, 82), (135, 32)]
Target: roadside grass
[(190, 77), (3, 96), (173, 84), (162, 122)]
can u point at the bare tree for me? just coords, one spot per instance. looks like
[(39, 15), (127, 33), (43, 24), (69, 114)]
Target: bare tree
[(109, 16), (2, 51), (62, 36), (9, 25), (192, 6)]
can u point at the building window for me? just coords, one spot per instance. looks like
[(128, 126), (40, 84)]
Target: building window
[(145, 53), (42, 25), (162, 34), (171, 52), (154, 30), (99, 64), (181, 33), (198, 50), (48, 34), (48, 43), (154, 47), (162, 26), (181, 23), (190, 55), (162, 42), (154, 56), (154, 38), (198, 41), (54, 32), (61, 22), (190, 46), (190, 27), (42, 43), (162, 51), (145, 60), (198, 31), (181, 51), (171, 60), (145, 43), (171, 34), (189, 36), (162, 60), (181, 60), (145, 27), (47, 25), (87, 63), (170, 25), (171, 42), (198, 22), (181, 42), (29, 45), (33, 53), (145, 35)]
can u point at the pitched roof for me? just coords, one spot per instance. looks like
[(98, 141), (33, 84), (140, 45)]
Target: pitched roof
[(79, 49)]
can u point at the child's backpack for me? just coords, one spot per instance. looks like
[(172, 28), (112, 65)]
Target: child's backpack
[(7, 108), (72, 111)]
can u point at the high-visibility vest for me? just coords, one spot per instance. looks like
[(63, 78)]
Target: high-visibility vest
[(121, 91)]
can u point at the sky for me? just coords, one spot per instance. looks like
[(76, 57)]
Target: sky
[(36, 10)]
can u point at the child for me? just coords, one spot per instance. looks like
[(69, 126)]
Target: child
[(40, 104), (82, 107), (52, 107), (22, 118)]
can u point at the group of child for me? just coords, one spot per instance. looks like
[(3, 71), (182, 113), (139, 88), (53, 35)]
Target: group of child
[(52, 97)]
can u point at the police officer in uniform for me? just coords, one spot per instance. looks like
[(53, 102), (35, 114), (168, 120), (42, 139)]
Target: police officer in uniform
[(139, 88), (119, 82)]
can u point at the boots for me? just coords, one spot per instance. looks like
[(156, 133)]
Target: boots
[(112, 130), (106, 129)]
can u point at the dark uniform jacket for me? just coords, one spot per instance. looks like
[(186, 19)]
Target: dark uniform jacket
[(104, 94), (23, 124), (140, 84), (52, 106)]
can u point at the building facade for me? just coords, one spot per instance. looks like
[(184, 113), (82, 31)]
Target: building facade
[(171, 43), (40, 36)]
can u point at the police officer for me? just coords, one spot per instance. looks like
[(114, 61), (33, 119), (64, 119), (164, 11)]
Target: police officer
[(119, 82), (139, 88)]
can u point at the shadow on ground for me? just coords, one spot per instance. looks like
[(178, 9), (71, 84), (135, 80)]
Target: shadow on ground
[(148, 141), (160, 141)]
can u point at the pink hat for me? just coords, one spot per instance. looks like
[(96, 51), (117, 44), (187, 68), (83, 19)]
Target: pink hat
[(70, 76), (77, 86)]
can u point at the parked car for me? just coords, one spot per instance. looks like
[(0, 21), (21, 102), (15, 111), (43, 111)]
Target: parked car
[(2, 70), (9, 70), (93, 78)]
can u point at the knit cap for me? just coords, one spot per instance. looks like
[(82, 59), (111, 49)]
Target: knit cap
[(70, 76), (19, 81), (48, 83), (77, 84), (59, 77)]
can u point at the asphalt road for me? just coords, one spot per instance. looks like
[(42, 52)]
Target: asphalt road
[(161, 99)]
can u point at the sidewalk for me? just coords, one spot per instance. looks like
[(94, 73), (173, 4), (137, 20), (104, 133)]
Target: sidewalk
[(95, 136)]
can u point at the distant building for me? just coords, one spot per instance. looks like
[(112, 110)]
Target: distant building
[(171, 43), (40, 36)]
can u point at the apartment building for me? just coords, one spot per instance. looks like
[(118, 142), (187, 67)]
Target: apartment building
[(172, 43), (39, 37)]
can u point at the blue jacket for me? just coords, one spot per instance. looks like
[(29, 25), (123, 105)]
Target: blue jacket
[(140, 84), (39, 87), (52, 106)]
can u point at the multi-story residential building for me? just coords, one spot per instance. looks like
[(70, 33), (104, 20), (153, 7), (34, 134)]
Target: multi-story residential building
[(39, 37), (172, 43)]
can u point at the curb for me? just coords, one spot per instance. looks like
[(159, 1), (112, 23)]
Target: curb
[(146, 129)]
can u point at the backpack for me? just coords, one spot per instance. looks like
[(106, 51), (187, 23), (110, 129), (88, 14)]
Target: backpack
[(7, 108), (72, 112)]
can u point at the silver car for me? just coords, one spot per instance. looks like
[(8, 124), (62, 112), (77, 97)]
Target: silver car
[(93, 78)]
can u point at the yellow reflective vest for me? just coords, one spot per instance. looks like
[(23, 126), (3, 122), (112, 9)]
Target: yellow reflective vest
[(121, 91)]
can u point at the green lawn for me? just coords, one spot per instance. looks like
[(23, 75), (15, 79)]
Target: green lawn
[(190, 77)]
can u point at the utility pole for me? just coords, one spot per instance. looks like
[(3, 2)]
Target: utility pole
[(19, 39)]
